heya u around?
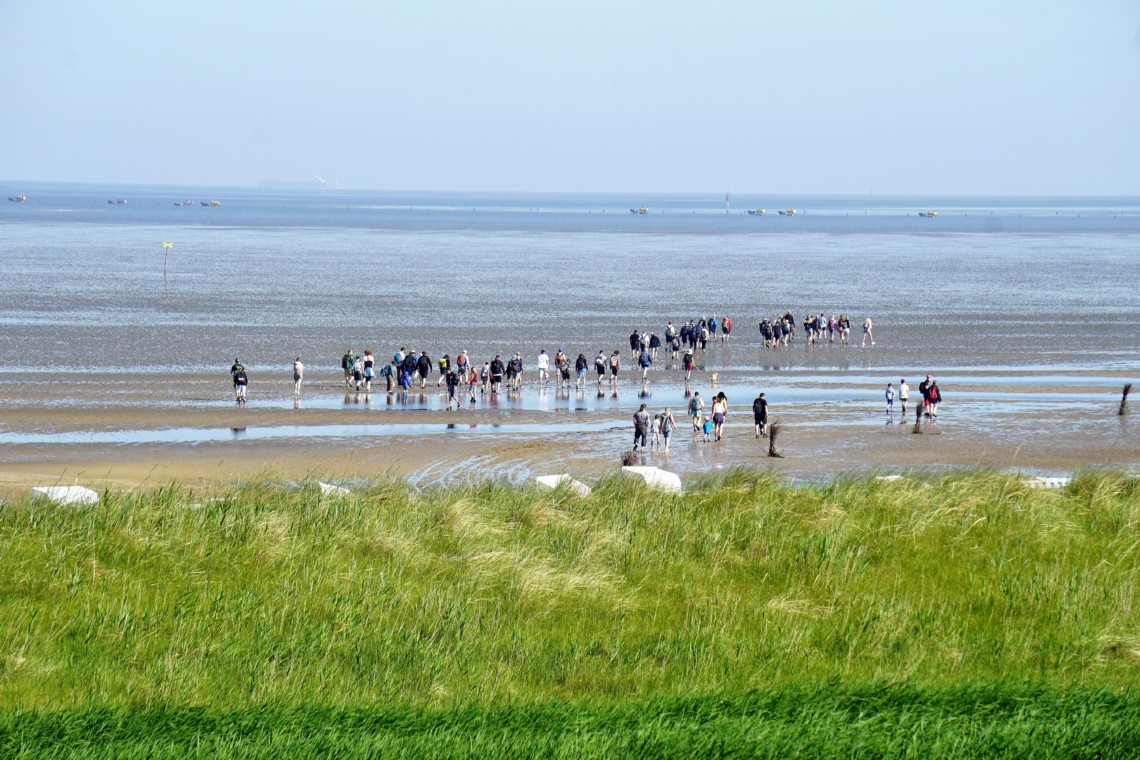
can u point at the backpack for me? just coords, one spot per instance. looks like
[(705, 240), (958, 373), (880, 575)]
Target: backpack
[(667, 424), (645, 360), (694, 405), (240, 378)]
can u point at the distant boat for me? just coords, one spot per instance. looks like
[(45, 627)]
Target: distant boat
[(787, 212), (118, 202), (184, 203), (17, 198), (642, 210), (756, 212), (930, 214), (211, 203)]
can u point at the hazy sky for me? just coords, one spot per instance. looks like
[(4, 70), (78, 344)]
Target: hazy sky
[(1012, 97)]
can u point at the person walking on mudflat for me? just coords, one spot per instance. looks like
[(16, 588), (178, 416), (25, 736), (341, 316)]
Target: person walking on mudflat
[(696, 410), (346, 363), (668, 425), (241, 381), (868, 326), (640, 427), (298, 375), (760, 415)]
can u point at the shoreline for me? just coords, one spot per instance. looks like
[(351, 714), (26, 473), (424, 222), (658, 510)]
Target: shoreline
[(185, 431)]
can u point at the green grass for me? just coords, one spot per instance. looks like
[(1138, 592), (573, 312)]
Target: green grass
[(465, 614)]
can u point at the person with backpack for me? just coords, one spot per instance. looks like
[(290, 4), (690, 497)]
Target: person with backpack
[(358, 373), (444, 365), (452, 381), (725, 329), (580, 366), (388, 372), (646, 361), (760, 416), (668, 425), (696, 410), (241, 380), (423, 368), (346, 363), (562, 364), (687, 363), (600, 364), (615, 365), (497, 369), (935, 395)]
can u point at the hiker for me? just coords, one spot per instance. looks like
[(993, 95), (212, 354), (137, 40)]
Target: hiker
[(890, 396), (496, 370), (719, 410), (298, 375), (615, 365), (924, 391), (444, 363), (868, 325), (423, 368), (543, 366), (241, 380), (581, 365), (388, 372), (696, 409), (904, 394), (760, 416), (452, 380), (668, 425), (934, 393), (369, 369), (640, 427), (346, 363)]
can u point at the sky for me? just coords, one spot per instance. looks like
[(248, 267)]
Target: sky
[(1019, 97)]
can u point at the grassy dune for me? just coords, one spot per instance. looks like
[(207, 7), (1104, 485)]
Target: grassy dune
[(969, 613)]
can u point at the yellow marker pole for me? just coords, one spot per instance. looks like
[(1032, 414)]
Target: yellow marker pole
[(165, 260)]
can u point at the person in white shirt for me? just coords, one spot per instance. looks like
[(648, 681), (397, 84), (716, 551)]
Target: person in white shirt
[(298, 375), (543, 366), (904, 394)]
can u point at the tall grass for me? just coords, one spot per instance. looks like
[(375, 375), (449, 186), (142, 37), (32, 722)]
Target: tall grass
[(263, 594), (488, 595)]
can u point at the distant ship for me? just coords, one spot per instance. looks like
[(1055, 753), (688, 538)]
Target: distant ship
[(787, 212), (932, 213), (184, 203), (642, 210), (118, 202), (211, 203), (17, 198), (756, 212)]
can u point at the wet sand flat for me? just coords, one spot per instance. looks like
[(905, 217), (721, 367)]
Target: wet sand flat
[(54, 436)]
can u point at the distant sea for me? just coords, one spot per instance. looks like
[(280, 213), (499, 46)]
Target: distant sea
[(270, 274)]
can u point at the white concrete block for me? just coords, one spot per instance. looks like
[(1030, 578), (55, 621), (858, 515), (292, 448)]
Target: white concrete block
[(1057, 482), (71, 495), (655, 478), (551, 482), (331, 490)]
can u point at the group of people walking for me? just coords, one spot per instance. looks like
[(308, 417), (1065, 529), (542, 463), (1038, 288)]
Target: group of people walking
[(929, 391), (779, 331), (707, 425)]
